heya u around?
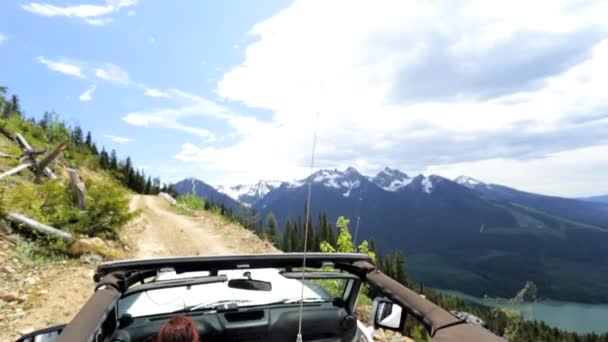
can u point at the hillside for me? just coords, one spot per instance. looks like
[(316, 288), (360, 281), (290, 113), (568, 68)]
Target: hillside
[(482, 239), (33, 290), (599, 199), (201, 189)]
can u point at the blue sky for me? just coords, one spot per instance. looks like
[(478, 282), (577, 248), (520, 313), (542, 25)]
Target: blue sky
[(231, 91)]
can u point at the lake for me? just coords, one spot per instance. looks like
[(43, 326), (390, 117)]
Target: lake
[(571, 316)]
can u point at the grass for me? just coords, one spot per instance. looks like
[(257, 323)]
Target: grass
[(32, 252), (188, 203)]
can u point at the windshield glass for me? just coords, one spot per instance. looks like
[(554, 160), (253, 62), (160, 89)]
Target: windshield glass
[(208, 296)]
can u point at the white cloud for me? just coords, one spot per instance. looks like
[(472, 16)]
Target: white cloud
[(152, 92), (159, 119), (116, 139), (83, 11), (131, 13), (62, 67), (3, 38), (196, 106), (99, 21), (416, 83), (113, 73), (88, 94), (570, 172)]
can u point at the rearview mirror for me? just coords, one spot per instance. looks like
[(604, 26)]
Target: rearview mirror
[(250, 284), (388, 315), (43, 335)]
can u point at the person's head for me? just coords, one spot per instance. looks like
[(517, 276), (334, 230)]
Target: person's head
[(178, 329)]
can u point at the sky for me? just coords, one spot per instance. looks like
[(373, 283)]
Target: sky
[(233, 91)]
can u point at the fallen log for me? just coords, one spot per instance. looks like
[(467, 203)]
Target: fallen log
[(15, 170), (5, 155), (37, 226)]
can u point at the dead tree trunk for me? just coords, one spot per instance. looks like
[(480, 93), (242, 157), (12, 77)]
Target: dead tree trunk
[(37, 226), (24, 144), (15, 170), (78, 188), (43, 164)]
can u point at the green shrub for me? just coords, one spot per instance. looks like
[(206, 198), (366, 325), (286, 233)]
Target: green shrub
[(41, 251), (51, 203), (191, 202), (107, 210)]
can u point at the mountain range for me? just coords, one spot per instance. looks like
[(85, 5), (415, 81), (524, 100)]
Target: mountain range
[(461, 234)]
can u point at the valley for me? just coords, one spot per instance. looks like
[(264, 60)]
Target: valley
[(462, 234), (570, 316)]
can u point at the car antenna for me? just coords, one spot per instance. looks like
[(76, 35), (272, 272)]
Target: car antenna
[(306, 224), (359, 214)]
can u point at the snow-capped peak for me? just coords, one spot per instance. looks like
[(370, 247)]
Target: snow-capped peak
[(424, 184), (467, 181), (249, 193), (391, 179), (346, 180)]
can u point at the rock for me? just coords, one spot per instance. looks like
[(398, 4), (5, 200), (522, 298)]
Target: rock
[(5, 228), (91, 258), (26, 331), (43, 292), (87, 245), (31, 280), (8, 269), (10, 296)]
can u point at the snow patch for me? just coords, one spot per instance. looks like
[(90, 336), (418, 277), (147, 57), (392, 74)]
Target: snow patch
[(350, 187), (397, 184), (467, 181), (427, 185)]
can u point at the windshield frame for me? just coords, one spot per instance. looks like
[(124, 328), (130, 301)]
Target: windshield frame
[(219, 281)]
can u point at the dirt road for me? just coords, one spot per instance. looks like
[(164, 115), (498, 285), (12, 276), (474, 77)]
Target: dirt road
[(160, 231), (52, 294)]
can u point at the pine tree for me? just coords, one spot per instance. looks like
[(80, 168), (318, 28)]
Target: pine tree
[(76, 136), (332, 237), (89, 140), (15, 105), (324, 229), (271, 228), (94, 150), (372, 245), (114, 160), (104, 161), (128, 167), (148, 189), (285, 237), (399, 267), (310, 239), (45, 122)]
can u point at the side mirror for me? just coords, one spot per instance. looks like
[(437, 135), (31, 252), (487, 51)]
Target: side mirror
[(250, 284), (388, 315), (43, 335)]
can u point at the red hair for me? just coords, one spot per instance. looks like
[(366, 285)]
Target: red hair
[(178, 329)]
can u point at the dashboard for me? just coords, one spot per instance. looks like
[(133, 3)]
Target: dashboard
[(321, 322)]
